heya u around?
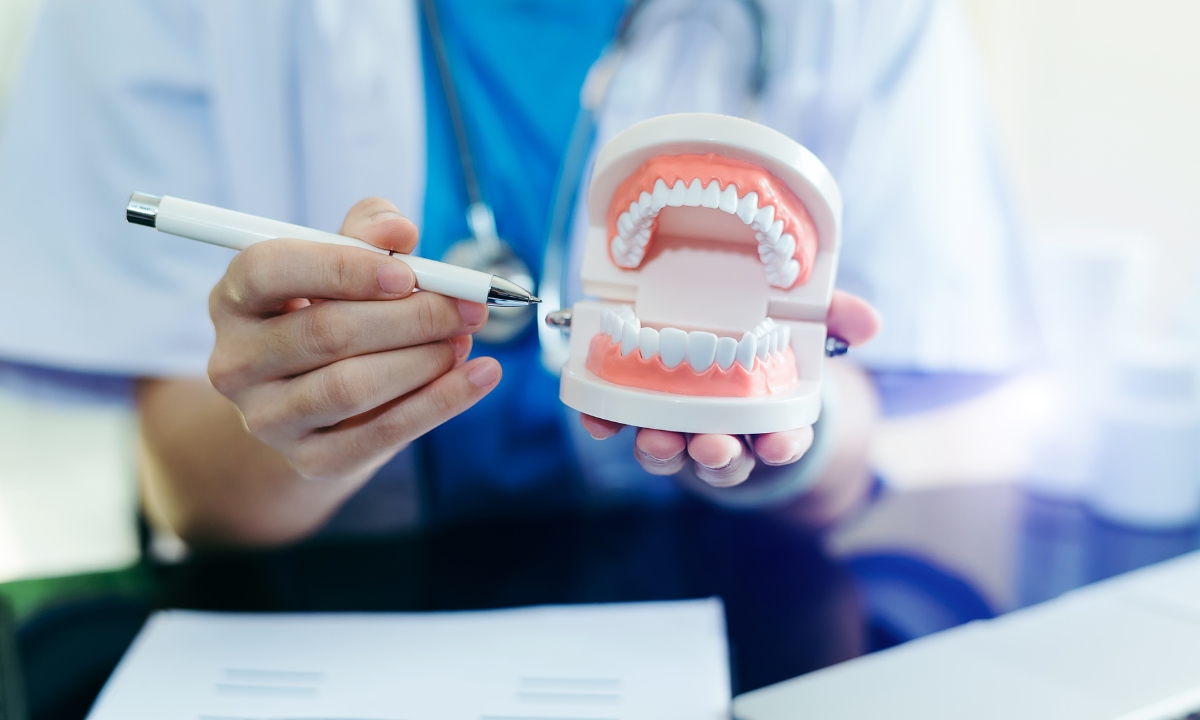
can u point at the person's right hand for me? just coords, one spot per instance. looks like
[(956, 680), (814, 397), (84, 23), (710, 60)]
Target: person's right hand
[(331, 357)]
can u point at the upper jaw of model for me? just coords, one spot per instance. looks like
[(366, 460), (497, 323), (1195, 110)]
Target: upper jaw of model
[(711, 252)]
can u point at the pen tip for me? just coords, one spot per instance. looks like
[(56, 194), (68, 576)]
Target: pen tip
[(534, 299)]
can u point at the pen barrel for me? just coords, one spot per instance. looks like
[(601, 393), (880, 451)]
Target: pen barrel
[(238, 231)]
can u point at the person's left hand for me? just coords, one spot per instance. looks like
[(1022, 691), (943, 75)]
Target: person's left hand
[(725, 460)]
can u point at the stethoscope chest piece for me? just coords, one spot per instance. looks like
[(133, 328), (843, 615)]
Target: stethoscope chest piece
[(487, 252)]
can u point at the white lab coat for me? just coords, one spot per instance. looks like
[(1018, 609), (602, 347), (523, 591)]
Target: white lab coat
[(295, 109)]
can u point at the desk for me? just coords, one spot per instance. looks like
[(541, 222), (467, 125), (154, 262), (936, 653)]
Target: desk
[(910, 564)]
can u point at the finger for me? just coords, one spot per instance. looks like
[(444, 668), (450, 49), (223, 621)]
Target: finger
[(378, 222), (660, 452), (783, 448), (600, 429), (327, 332), (264, 276), (328, 453), (345, 389), (720, 460), (851, 318)]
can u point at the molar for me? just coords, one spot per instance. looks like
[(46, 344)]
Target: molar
[(672, 346), (701, 349), (775, 230), (726, 350), (746, 350)]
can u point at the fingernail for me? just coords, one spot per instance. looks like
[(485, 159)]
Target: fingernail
[(462, 346), (385, 215), (472, 313), (484, 374), (394, 278)]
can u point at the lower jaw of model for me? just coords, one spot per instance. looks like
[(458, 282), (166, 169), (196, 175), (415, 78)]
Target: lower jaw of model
[(692, 363)]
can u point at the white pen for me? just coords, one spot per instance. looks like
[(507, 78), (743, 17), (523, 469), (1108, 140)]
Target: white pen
[(239, 231)]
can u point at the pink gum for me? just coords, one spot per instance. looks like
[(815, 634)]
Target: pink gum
[(743, 175), (632, 370)]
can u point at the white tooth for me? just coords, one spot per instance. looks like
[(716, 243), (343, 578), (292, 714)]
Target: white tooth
[(634, 213), (675, 198), (629, 336), (644, 201), (625, 312), (635, 255), (659, 199), (746, 350), (711, 197), (624, 224), (726, 349), (759, 330), (775, 230), (789, 272), (785, 246), (785, 337), (767, 254), (701, 349), (672, 346), (764, 346), (648, 342), (764, 218), (692, 199), (729, 200), (772, 343), (642, 237), (768, 323), (748, 207), (604, 322)]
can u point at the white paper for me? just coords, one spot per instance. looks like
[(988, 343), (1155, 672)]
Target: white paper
[(652, 661)]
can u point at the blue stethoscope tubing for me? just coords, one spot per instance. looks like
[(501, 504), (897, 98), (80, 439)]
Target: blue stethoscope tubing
[(553, 280)]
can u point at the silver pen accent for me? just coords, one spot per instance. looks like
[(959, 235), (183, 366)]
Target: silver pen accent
[(505, 293)]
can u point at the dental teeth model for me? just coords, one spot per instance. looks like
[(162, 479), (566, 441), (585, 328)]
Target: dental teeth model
[(712, 249)]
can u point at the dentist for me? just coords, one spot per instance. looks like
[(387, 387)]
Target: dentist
[(296, 389)]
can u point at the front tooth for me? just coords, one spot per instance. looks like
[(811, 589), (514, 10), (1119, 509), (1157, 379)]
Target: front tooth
[(692, 199), (625, 312), (764, 218), (624, 224), (748, 207), (746, 350), (606, 322), (726, 350), (729, 199), (785, 246), (701, 349), (775, 230), (659, 199), (648, 342), (712, 195), (672, 346), (675, 198), (644, 201), (629, 336)]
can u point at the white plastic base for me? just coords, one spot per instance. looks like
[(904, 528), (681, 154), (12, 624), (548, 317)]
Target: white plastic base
[(594, 396)]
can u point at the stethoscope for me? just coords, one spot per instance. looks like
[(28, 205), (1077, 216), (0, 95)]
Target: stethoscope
[(485, 250)]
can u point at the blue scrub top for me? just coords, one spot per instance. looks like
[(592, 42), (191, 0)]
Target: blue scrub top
[(518, 66)]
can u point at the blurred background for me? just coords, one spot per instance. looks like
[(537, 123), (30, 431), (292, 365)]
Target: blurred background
[(1097, 106)]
